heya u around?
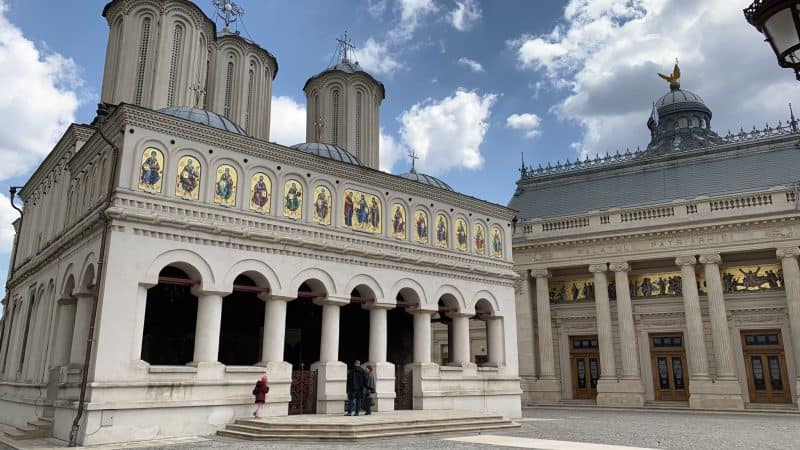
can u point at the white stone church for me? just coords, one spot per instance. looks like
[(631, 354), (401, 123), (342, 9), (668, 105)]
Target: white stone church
[(193, 255)]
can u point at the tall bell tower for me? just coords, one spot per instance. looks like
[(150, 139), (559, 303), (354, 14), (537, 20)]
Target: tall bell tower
[(343, 106)]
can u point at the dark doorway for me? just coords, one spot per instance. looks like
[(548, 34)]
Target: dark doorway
[(242, 325), (170, 319), (303, 330), (400, 328), (354, 331)]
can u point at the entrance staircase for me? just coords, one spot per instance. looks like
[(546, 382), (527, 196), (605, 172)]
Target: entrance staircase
[(377, 425), (32, 430)]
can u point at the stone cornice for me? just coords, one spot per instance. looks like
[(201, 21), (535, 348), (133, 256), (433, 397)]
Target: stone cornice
[(162, 123), (57, 158)]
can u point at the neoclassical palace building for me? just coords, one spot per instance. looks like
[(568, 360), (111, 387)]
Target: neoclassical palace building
[(193, 255), (668, 274)]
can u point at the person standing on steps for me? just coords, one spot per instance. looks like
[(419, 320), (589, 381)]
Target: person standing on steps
[(355, 388), (369, 389), (260, 391)]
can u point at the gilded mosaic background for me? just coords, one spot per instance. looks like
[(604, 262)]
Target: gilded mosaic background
[(399, 221), (151, 178), (479, 238), (293, 199), (462, 235), (260, 192), (421, 224), (362, 211), (322, 205), (189, 176), (442, 230), (225, 185)]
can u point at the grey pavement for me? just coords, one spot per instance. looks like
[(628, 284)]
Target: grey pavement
[(630, 428)]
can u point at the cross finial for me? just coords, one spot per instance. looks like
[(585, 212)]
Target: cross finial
[(346, 47), (413, 155), (228, 11), (198, 91)]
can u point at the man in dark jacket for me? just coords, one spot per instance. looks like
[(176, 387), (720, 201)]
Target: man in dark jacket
[(355, 388)]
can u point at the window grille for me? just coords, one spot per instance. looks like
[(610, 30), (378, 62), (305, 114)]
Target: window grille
[(250, 86), (358, 123), (228, 88), (177, 48), (143, 45), (335, 131)]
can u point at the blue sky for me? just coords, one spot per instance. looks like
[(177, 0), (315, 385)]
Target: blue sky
[(550, 79)]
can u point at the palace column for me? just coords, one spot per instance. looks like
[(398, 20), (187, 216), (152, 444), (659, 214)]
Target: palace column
[(695, 336), (206, 337), (460, 338), (631, 379), (80, 333), (525, 337), (547, 388), (727, 381), (607, 385), (495, 338), (791, 284), (384, 370), (331, 374)]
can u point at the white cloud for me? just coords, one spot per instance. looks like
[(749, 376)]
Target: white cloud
[(465, 15), (448, 133), (475, 66), (375, 58), (7, 216), (527, 122), (376, 7), (38, 100), (391, 152), (412, 12), (605, 54), (288, 125)]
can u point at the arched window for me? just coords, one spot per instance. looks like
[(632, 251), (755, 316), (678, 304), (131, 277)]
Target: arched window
[(177, 49), (143, 46), (335, 114), (170, 319), (249, 108), (358, 123), (695, 122), (228, 89), (683, 122), (27, 329)]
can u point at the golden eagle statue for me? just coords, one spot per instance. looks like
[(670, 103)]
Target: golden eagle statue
[(672, 79)]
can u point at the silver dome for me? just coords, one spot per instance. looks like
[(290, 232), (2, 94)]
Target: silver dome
[(678, 96), (425, 179), (204, 117), (328, 151)]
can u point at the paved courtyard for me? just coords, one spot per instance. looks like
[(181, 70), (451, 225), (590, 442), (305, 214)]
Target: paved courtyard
[(582, 429)]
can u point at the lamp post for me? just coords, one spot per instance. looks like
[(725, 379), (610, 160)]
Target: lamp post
[(779, 21)]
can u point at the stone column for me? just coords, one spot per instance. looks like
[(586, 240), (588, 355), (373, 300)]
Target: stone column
[(64, 331), (727, 383), (547, 388), (525, 337), (422, 336), (423, 372), (631, 378), (384, 370), (331, 374), (460, 338), (791, 284), (209, 322), (274, 329), (605, 338), (695, 336), (495, 338), (80, 333)]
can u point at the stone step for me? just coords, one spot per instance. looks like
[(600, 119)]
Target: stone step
[(267, 424), (343, 431), (366, 435), (666, 405), (35, 429)]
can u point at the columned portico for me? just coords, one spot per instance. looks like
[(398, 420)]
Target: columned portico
[(461, 341), (608, 386), (699, 379), (331, 373), (80, 333), (631, 379), (727, 383), (547, 388), (384, 370), (206, 340), (791, 275), (423, 368)]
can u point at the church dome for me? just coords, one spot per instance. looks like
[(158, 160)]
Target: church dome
[(426, 179), (204, 117), (347, 67), (328, 151)]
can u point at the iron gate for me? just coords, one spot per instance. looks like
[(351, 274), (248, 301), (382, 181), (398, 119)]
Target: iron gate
[(403, 384), (304, 392)]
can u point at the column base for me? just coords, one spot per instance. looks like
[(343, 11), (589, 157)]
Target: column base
[(384, 386), (545, 391), (717, 394), (208, 370), (331, 386), (420, 375), (620, 392)]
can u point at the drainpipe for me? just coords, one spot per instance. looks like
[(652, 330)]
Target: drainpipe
[(8, 321), (103, 111)]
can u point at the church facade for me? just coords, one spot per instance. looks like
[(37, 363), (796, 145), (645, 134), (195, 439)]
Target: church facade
[(665, 276), (169, 255)]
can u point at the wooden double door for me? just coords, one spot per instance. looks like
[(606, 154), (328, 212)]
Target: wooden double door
[(765, 364), (585, 363), (670, 378)]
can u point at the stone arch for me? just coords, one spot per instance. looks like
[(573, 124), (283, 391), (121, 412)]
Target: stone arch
[(364, 280), (258, 271), (407, 285), (453, 294), (68, 283), (190, 262), (318, 279), (488, 300), (87, 271)]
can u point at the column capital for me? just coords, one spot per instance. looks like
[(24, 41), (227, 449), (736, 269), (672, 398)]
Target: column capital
[(524, 273), (540, 273), (276, 298), (619, 266), (787, 252), (337, 301), (200, 293), (598, 267), (711, 258), (421, 310), (686, 260), (381, 304)]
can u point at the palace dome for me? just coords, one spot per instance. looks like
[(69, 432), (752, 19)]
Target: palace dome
[(425, 179), (679, 100), (204, 117), (328, 151)]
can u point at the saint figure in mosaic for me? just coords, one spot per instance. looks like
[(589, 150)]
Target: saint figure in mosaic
[(152, 170), (322, 205), (441, 230), (293, 199), (260, 187), (399, 222), (480, 239), (188, 178), (348, 209), (497, 243), (225, 187), (421, 225), (461, 235)]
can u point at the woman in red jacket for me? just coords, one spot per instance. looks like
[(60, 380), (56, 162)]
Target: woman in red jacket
[(260, 391)]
